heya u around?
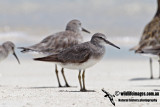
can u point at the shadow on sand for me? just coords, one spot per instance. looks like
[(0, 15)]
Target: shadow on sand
[(142, 79), (156, 90), (148, 85), (45, 87), (77, 91)]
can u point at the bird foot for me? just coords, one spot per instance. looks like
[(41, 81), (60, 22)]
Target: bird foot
[(83, 90), (60, 85), (67, 85)]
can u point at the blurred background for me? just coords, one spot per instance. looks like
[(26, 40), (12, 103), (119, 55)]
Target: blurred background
[(26, 22)]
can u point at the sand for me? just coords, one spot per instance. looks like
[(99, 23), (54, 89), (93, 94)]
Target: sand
[(34, 84)]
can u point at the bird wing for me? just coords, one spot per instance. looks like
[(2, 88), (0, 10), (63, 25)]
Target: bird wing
[(55, 43), (150, 36), (75, 54), (39, 46), (152, 50)]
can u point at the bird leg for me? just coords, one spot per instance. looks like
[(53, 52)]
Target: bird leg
[(159, 66), (83, 78), (57, 76), (150, 60), (79, 77), (62, 71)]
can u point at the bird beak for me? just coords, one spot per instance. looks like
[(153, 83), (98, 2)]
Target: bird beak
[(16, 57), (108, 42), (84, 30)]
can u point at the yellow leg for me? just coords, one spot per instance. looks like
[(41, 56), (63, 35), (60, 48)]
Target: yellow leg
[(150, 60), (57, 76), (79, 78), (159, 66), (67, 85), (83, 78)]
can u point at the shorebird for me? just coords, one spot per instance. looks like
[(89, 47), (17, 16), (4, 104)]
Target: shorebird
[(155, 50), (81, 56), (150, 37), (59, 41), (7, 48)]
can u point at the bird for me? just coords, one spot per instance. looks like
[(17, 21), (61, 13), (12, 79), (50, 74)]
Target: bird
[(109, 96), (7, 48), (150, 36), (81, 56), (155, 50), (57, 42)]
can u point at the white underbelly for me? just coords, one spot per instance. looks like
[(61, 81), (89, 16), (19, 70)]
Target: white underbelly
[(151, 56), (78, 66)]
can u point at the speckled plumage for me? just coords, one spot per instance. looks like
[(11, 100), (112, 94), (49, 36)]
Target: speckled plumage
[(151, 33), (59, 41), (152, 50), (56, 42), (150, 37)]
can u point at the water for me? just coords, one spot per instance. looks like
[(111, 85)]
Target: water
[(125, 43)]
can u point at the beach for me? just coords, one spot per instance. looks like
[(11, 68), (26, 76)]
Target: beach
[(34, 84)]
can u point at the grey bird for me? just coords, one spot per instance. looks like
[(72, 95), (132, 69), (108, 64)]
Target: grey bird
[(58, 42), (7, 48), (81, 56), (150, 37)]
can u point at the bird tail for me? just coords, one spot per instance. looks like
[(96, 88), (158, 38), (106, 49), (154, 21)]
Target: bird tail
[(51, 58), (24, 50), (134, 48)]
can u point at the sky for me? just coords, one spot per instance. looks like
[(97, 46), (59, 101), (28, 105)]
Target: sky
[(26, 22), (120, 18)]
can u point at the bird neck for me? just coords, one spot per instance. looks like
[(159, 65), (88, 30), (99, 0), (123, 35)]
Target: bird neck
[(96, 43), (6, 50), (72, 29), (158, 8)]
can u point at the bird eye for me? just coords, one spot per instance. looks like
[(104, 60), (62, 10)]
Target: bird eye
[(100, 37), (12, 48)]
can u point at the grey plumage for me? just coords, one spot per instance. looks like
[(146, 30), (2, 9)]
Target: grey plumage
[(80, 53), (75, 54), (81, 56), (59, 41), (7, 48)]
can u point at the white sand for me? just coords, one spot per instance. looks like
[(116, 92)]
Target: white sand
[(34, 84)]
